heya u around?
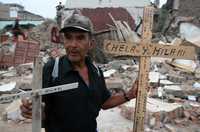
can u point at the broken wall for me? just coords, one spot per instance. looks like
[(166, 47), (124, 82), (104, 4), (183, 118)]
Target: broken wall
[(190, 8)]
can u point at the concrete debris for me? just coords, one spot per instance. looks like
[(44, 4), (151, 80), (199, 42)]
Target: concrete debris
[(160, 92), (196, 85), (126, 67), (175, 78), (197, 72), (161, 115), (8, 73), (190, 32), (173, 87), (24, 83), (192, 98), (7, 87), (154, 77), (24, 69), (13, 113), (153, 106), (114, 83), (109, 73), (187, 65), (170, 128), (166, 82)]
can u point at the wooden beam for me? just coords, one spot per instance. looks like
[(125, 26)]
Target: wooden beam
[(119, 34), (37, 84), (144, 66)]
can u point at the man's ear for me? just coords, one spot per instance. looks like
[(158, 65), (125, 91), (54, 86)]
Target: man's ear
[(91, 44)]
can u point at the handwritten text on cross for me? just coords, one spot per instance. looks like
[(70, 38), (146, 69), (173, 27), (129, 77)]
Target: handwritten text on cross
[(154, 50)]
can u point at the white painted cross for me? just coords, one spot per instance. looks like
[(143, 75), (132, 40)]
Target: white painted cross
[(36, 94), (145, 50)]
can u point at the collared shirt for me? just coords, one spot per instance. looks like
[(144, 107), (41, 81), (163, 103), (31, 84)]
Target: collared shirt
[(73, 110)]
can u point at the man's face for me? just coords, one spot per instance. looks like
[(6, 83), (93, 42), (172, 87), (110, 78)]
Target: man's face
[(77, 45)]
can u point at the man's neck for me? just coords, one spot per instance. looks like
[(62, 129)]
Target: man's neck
[(79, 65), (83, 70)]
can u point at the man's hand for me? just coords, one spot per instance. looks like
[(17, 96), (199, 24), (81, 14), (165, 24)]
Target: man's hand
[(132, 93), (26, 108)]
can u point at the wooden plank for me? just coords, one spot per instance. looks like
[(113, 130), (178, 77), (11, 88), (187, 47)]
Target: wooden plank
[(123, 31), (140, 108), (37, 84), (154, 50), (119, 34), (130, 32)]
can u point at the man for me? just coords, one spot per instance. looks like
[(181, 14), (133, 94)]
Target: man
[(76, 110)]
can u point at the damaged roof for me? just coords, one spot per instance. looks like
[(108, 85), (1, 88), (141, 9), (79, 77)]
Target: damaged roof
[(101, 19)]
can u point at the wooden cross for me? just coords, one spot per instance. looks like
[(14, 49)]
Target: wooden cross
[(145, 50), (36, 94)]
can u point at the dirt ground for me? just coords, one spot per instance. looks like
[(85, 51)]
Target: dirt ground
[(108, 121), (112, 121)]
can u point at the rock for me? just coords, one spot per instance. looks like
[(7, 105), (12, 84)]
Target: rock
[(13, 111), (7, 87), (25, 69), (158, 112), (115, 85), (109, 73), (170, 128)]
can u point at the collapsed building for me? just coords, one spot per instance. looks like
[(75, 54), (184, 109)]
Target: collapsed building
[(9, 13), (174, 100)]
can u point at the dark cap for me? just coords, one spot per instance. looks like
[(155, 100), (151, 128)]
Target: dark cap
[(77, 22)]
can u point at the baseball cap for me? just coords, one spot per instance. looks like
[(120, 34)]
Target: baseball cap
[(77, 22)]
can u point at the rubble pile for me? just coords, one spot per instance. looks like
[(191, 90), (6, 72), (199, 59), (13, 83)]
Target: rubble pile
[(174, 98), (123, 77), (159, 114), (20, 75), (42, 33)]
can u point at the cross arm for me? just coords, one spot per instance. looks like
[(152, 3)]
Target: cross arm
[(150, 50)]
